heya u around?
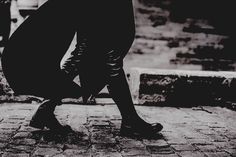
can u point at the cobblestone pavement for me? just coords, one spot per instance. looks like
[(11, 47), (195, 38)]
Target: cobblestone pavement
[(188, 132)]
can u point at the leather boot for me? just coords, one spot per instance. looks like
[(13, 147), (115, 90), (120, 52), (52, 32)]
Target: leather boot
[(44, 117)]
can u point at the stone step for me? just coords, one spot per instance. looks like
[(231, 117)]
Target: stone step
[(182, 87)]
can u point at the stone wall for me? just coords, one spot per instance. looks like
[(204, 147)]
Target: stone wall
[(182, 88)]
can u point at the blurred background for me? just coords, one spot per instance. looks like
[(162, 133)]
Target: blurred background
[(184, 34), (170, 34)]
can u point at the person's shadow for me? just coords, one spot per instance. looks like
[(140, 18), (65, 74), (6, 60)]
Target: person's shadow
[(75, 137), (48, 136)]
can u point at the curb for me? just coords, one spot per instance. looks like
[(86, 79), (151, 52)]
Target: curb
[(188, 88)]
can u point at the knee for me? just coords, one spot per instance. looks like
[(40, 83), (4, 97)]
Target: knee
[(114, 63)]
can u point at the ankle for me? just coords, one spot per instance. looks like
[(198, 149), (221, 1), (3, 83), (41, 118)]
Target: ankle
[(47, 107), (132, 119)]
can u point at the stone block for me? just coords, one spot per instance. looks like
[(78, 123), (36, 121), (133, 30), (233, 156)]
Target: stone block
[(191, 153), (46, 152), (183, 147), (7, 154), (175, 87)]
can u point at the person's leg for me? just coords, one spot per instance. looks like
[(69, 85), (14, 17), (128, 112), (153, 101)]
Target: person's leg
[(62, 87), (132, 123), (72, 66)]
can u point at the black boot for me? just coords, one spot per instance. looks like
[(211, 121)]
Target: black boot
[(132, 124), (44, 117), (137, 127)]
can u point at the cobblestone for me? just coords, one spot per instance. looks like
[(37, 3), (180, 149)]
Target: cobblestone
[(188, 132), (47, 152)]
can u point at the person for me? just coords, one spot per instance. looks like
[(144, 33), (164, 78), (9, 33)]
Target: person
[(5, 20), (31, 59)]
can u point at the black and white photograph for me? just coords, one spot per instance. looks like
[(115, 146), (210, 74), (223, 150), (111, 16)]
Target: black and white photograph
[(117, 78)]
